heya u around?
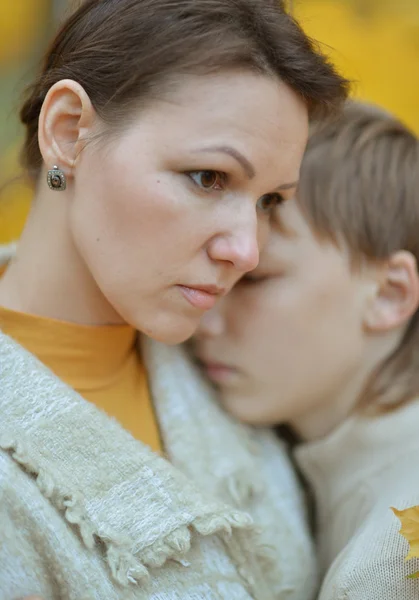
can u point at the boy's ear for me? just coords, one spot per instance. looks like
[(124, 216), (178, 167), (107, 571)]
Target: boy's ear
[(397, 294)]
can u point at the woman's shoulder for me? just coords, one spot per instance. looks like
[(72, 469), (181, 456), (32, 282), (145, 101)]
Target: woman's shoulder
[(42, 551), (82, 491), (64, 533)]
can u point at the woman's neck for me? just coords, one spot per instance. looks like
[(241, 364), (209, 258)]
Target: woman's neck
[(52, 280)]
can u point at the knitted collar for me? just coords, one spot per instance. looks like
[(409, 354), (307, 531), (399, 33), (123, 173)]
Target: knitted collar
[(347, 459), (107, 485), (93, 471)]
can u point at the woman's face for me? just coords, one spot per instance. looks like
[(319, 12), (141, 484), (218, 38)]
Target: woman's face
[(170, 214), (288, 340)]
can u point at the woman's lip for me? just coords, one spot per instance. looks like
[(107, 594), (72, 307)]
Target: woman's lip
[(199, 298)]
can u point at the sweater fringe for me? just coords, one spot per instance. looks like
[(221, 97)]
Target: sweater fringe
[(126, 566)]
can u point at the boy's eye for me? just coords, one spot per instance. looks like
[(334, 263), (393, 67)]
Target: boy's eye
[(208, 180), (268, 202), (252, 278)]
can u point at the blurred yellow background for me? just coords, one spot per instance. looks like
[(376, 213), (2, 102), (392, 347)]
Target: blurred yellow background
[(374, 42)]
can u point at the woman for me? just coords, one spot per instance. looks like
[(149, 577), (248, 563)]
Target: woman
[(160, 135), (323, 337)]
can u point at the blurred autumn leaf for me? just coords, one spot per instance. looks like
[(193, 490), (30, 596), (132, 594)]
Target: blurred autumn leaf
[(373, 42), (20, 22), (22, 28), (409, 519)]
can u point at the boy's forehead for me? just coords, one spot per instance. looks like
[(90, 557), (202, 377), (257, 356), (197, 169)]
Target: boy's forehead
[(290, 224), (280, 247), (290, 239)]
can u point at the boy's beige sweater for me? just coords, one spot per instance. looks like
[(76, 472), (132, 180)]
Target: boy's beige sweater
[(87, 512), (365, 467)]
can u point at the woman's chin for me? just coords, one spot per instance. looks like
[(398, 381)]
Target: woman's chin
[(170, 331)]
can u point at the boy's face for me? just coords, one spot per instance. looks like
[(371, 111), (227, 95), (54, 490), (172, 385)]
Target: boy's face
[(287, 344)]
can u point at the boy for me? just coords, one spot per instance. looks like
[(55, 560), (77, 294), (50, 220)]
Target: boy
[(324, 337)]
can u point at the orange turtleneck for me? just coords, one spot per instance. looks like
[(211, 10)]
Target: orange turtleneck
[(101, 363)]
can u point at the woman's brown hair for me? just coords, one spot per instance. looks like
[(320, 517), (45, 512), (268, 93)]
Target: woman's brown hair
[(359, 186), (122, 52)]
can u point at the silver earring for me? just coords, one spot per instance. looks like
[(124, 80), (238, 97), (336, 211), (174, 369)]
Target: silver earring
[(56, 179)]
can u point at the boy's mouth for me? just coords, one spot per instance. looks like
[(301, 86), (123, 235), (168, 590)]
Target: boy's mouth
[(217, 372)]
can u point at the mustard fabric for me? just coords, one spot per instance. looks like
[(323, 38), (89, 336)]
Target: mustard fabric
[(102, 364)]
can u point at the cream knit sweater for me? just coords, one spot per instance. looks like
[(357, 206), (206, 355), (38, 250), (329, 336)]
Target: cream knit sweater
[(365, 467), (89, 513)]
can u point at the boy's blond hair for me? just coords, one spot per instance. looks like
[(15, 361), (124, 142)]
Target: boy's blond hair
[(360, 186)]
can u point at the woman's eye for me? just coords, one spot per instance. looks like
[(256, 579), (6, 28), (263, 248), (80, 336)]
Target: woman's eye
[(208, 180), (268, 202)]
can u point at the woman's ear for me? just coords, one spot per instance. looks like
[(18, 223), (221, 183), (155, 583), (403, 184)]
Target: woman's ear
[(67, 117), (397, 294)]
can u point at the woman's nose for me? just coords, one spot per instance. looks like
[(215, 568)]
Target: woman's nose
[(238, 245)]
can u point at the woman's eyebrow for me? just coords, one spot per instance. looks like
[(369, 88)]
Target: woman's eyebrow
[(244, 162)]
